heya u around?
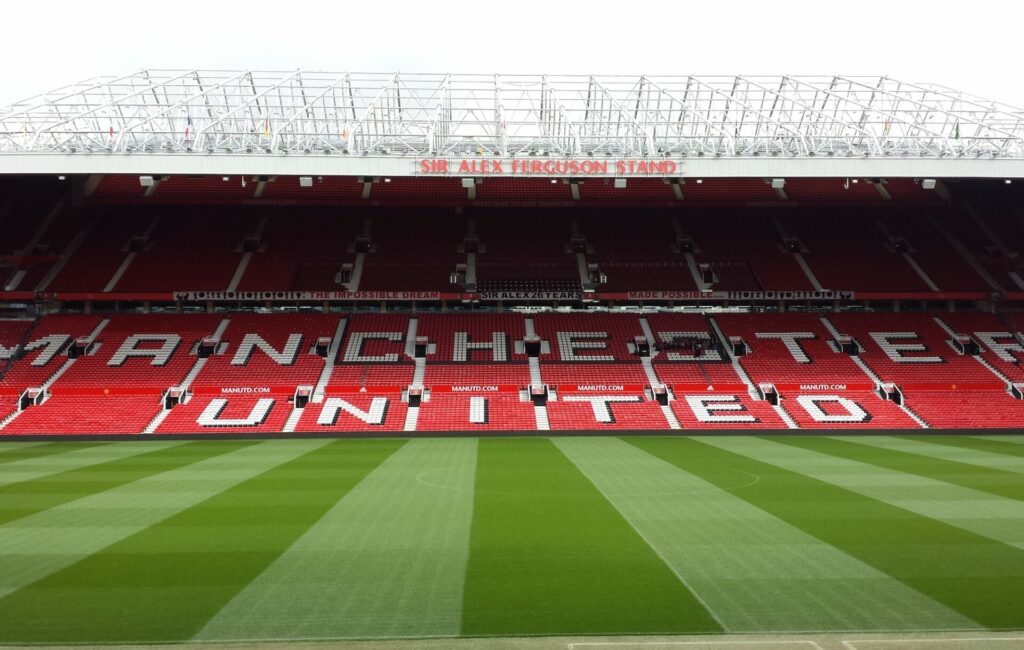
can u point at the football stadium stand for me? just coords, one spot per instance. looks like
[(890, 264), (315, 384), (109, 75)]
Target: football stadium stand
[(280, 372), (601, 254)]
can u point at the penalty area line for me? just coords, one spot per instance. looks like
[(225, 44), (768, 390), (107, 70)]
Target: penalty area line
[(859, 643), (670, 644)]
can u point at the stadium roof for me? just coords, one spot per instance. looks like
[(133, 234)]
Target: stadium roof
[(321, 122)]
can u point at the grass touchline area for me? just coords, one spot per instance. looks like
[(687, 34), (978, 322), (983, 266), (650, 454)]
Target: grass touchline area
[(321, 539)]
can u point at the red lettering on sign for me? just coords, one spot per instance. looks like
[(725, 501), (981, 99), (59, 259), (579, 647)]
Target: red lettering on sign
[(434, 166), (549, 167)]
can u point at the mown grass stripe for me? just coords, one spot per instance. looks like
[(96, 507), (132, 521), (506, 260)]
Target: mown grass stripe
[(135, 462), (164, 582), (1015, 439), (926, 447), (757, 572), (15, 454), (15, 447), (999, 518), (980, 578), (61, 457), (916, 460), (388, 560), (1005, 445), (550, 555), (34, 547)]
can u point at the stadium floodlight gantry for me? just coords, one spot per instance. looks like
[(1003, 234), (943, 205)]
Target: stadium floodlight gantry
[(391, 118)]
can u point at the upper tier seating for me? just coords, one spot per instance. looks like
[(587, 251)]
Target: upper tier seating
[(525, 252), (731, 238), (191, 250), (936, 257), (102, 252), (413, 253), (636, 253), (848, 251), (303, 251), (22, 215), (521, 249)]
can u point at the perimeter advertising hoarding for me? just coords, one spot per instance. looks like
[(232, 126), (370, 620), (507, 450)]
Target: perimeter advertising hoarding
[(305, 296), (494, 296), (740, 295)]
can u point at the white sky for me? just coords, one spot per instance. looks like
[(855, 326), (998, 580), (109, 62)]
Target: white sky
[(972, 46)]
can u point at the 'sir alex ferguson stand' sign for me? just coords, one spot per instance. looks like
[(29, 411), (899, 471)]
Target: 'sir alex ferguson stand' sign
[(516, 167)]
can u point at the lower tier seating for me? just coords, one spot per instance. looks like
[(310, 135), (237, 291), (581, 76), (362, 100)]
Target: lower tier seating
[(593, 412), (696, 373), (366, 412), (968, 409), (513, 374), (234, 415), (114, 385), (567, 375), (7, 406), (734, 410), (355, 413), (85, 415), (447, 412), (847, 410), (368, 375)]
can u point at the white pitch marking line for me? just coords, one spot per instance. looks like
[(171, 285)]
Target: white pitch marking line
[(595, 644), (998, 639)]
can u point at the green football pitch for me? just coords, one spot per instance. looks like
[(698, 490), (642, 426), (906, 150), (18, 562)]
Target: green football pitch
[(244, 540)]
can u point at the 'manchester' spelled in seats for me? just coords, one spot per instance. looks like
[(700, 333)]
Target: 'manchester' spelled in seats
[(342, 372)]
